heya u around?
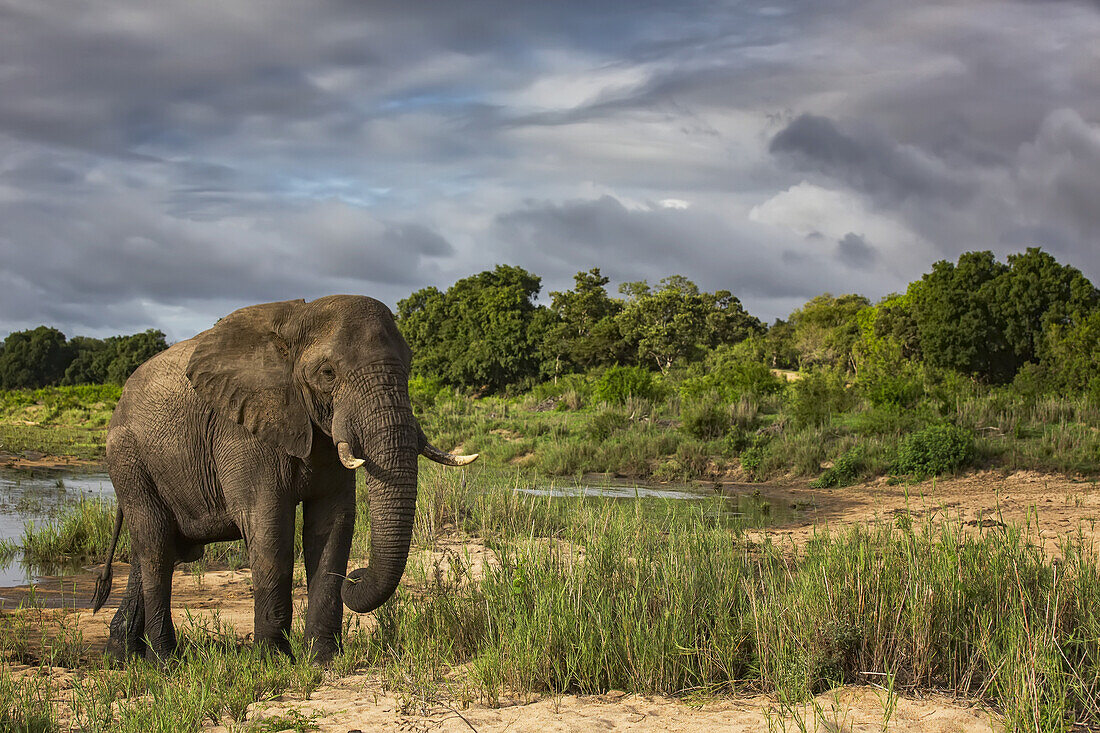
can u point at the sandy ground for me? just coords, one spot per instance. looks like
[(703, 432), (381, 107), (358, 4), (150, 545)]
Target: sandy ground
[(1056, 506)]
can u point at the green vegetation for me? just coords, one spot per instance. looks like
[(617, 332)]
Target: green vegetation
[(42, 357), (589, 595)]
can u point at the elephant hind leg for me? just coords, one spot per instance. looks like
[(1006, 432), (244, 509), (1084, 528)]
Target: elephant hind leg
[(128, 625)]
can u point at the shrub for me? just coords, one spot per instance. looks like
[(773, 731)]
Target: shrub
[(935, 449), (604, 424), (619, 383), (817, 396), (707, 419), (732, 381), (845, 470), (753, 456), (423, 391)]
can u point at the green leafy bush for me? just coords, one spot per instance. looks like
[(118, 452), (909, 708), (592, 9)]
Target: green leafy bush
[(731, 380), (753, 456), (817, 396), (423, 391), (935, 449), (844, 472), (619, 383), (605, 423), (706, 419)]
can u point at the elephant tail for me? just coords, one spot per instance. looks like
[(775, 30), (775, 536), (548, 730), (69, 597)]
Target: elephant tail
[(103, 582)]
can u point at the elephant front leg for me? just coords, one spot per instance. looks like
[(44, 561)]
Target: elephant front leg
[(326, 541), (270, 538)]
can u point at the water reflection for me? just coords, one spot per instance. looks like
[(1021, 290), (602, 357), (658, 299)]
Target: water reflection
[(39, 496)]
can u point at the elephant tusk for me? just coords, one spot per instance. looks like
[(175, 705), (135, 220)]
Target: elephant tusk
[(349, 461), (447, 459)]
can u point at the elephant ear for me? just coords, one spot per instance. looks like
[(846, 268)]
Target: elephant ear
[(243, 367)]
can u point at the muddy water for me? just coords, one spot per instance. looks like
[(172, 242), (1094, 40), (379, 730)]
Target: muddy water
[(39, 496)]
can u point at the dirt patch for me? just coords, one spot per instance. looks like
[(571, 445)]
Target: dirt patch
[(34, 459), (359, 703), (1055, 506)]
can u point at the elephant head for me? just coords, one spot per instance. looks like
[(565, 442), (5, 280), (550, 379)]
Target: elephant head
[(293, 370)]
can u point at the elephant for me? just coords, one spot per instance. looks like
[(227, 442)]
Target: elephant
[(221, 436)]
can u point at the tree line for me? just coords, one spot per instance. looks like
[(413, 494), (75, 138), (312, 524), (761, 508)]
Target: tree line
[(1028, 319), (44, 357)]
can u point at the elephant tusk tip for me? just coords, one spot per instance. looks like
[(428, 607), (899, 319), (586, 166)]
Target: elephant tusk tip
[(354, 463), (466, 460)]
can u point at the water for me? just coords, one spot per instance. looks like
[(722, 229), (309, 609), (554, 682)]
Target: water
[(753, 507), (39, 496)]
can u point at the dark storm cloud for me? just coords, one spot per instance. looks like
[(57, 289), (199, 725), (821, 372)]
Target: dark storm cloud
[(867, 161), (855, 252), (164, 163)]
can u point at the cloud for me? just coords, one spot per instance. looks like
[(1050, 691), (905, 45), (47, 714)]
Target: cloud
[(162, 164), (868, 161)]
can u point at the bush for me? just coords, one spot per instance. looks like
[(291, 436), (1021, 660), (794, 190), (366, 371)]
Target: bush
[(844, 472), (936, 449), (817, 396), (753, 456), (423, 391), (731, 381), (618, 384), (707, 419), (606, 423)]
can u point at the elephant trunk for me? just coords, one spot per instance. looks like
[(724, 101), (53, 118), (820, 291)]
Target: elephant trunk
[(386, 438)]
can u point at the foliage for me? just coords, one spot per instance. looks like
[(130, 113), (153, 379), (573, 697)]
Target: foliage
[(619, 383), (584, 332), (987, 318), (479, 334), (42, 357), (817, 396), (935, 449), (731, 378), (33, 358), (676, 321), (706, 419), (845, 471), (825, 329)]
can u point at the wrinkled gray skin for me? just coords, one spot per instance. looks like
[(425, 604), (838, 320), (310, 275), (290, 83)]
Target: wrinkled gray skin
[(222, 435)]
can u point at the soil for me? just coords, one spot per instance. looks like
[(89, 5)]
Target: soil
[(1054, 505), (34, 459)]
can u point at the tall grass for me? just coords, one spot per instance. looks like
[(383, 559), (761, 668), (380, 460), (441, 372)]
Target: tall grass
[(588, 595)]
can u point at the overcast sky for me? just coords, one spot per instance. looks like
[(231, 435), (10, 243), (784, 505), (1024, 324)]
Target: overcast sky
[(162, 163)]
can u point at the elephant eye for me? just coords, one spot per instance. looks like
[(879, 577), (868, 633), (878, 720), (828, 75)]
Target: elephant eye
[(328, 372)]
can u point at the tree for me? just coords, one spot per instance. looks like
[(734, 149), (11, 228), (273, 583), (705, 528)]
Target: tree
[(112, 359), (988, 318), (1035, 294), (582, 331), (825, 329), (958, 325), (33, 358), (478, 334), (133, 351), (677, 321)]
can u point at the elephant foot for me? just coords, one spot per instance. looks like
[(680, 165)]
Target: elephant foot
[(323, 650), (123, 650), (276, 645)]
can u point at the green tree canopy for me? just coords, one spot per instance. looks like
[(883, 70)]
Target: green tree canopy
[(33, 358), (987, 318), (479, 333), (825, 329), (676, 321), (583, 332)]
